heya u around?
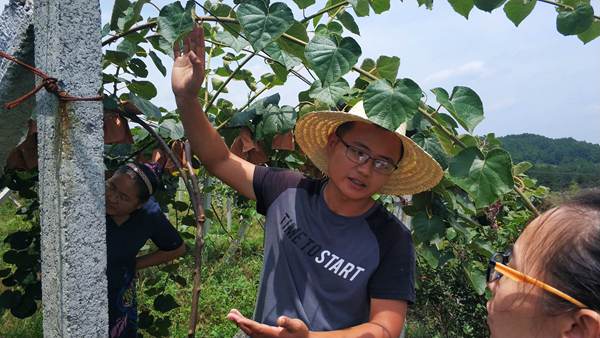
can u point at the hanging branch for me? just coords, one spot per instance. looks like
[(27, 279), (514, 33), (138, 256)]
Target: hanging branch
[(199, 245), (220, 90), (324, 10)]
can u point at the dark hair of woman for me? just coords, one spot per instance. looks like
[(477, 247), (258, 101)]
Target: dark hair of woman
[(150, 170)]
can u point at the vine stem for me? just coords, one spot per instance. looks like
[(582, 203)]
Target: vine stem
[(220, 90), (324, 10)]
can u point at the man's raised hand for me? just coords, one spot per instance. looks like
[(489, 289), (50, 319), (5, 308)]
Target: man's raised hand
[(188, 68)]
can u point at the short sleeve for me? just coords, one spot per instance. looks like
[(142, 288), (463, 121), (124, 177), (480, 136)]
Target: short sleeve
[(394, 277), (163, 234), (269, 183)]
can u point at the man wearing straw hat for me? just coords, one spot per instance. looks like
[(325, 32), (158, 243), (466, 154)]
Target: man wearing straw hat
[(336, 263)]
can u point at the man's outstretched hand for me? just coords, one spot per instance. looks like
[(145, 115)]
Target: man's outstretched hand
[(286, 327), (188, 68)]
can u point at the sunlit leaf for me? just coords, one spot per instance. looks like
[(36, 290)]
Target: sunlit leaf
[(390, 106), (263, 24), (329, 59)]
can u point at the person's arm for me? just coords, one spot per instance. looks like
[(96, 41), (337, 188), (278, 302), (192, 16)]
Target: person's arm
[(386, 321), (207, 144), (158, 257)]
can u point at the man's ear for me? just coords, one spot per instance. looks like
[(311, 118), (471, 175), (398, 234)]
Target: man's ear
[(584, 324), (332, 141)]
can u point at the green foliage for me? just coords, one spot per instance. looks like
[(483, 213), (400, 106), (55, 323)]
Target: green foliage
[(390, 106), (262, 23)]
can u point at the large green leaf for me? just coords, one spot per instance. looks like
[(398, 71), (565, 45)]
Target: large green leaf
[(432, 146), (488, 5), (298, 31), (348, 21), (329, 59), (464, 105), (258, 107), (361, 7), (380, 6), (174, 21), (331, 93), (462, 7), (171, 129), (477, 278), (143, 89), (286, 59), (518, 10), (119, 9), (427, 228), (263, 24), (571, 22), (390, 106), (591, 33), (237, 43), (158, 63), (276, 121), (387, 67), (146, 107), (484, 179)]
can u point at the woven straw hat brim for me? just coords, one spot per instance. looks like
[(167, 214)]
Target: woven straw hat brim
[(417, 171)]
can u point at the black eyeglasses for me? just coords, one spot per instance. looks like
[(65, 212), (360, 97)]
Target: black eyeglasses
[(360, 156)]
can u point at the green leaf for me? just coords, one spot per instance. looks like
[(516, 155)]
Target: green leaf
[(161, 44), (165, 303), (432, 146), (462, 7), (261, 24), (243, 118), (117, 58), (25, 308), (281, 56), (331, 93), (488, 5), (348, 21), (335, 28), (158, 63), (431, 255), (518, 10), (361, 7), (146, 107), (387, 67), (144, 89), (138, 67), (130, 44), (171, 129), (329, 59), (465, 106), (591, 33), (521, 167), (174, 21), (427, 228), (477, 279), (237, 43), (302, 4), (571, 22), (118, 11), (132, 15), (298, 31), (276, 121), (217, 83), (380, 6), (390, 106), (484, 179)]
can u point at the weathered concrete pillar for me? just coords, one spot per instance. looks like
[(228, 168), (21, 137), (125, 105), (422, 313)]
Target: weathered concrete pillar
[(16, 38), (67, 47)]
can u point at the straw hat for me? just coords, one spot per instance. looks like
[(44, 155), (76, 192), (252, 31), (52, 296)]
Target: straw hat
[(417, 171)]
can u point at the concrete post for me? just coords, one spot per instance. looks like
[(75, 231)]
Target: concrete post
[(70, 138), (16, 38)]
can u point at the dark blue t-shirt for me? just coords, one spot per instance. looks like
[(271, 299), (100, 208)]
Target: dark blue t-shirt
[(321, 267), (123, 242)]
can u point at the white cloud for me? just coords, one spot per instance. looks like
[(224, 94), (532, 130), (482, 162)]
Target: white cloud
[(473, 69)]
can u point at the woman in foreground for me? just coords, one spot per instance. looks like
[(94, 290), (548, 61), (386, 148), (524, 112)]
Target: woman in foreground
[(548, 285)]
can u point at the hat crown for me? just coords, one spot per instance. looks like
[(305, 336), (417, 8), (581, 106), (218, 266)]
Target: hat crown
[(359, 110)]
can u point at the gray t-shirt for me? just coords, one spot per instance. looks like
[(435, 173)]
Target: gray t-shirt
[(321, 267)]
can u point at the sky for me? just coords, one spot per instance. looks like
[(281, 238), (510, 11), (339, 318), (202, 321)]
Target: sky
[(530, 78)]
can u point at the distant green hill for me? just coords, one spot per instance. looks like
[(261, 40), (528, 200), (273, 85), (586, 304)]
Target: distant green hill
[(558, 163)]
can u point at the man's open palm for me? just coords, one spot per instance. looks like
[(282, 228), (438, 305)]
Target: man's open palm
[(188, 68)]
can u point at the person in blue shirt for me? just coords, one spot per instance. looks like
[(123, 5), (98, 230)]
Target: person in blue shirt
[(133, 217)]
